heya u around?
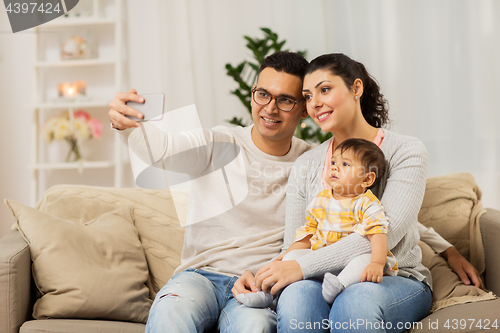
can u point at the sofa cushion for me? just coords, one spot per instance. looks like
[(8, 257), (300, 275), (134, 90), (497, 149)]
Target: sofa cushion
[(477, 317), (95, 270), (15, 282), (156, 220), (80, 326), (452, 207), (448, 289)]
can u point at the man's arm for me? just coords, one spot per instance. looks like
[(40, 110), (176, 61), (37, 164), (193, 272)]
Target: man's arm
[(192, 152), (464, 269), (433, 239)]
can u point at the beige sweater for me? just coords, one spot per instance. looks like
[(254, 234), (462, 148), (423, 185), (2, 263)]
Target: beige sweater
[(219, 237), (401, 193)]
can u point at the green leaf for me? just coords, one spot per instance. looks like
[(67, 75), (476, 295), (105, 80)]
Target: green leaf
[(251, 42), (254, 66), (266, 30), (237, 121)]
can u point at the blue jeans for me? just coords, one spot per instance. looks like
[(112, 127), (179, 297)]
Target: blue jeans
[(362, 307), (199, 301)]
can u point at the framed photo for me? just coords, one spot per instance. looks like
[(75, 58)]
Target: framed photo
[(76, 47)]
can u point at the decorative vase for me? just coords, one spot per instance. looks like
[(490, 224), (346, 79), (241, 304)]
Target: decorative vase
[(74, 151)]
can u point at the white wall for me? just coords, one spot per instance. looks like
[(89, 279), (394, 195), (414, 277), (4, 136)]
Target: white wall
[(16, 77)]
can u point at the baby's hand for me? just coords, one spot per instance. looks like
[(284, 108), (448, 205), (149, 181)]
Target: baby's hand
[(373, 273), (280, 257)]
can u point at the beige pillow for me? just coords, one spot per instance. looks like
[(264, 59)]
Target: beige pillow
[(95, 270), (448, 289), (452, 206), (156, 220)]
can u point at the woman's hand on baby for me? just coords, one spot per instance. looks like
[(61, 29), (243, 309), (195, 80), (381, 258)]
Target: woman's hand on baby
[(245, 284), (279, 274), (373, 273)]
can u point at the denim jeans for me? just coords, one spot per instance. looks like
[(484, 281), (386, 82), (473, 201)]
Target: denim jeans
[(390, 306), (201, 301)]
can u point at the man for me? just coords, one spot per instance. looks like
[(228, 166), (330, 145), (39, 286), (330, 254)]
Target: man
[(219, 249)]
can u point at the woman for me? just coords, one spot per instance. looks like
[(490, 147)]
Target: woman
[(343, 99)]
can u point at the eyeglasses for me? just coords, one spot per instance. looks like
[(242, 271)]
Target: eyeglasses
[(283, 103)]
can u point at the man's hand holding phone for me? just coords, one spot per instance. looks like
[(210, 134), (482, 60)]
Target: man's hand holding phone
[(118, 109), (129, 109)]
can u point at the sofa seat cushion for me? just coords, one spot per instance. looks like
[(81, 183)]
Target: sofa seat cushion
[(471, 317), (80, 326), (95, 270)]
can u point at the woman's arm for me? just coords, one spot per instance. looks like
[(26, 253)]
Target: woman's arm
[(405, 188)]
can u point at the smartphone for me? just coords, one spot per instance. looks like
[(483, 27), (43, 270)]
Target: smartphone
[(151, 108)]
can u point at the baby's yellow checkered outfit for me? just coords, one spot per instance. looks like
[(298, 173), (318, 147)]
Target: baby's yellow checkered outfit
[(330, 220)]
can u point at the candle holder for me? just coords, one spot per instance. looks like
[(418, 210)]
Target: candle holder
[(68, 90)]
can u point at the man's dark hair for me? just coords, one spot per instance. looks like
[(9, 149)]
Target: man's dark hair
[(288, 62), (368, 153)]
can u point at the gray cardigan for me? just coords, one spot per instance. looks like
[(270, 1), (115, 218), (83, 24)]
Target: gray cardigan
[(401, 192)]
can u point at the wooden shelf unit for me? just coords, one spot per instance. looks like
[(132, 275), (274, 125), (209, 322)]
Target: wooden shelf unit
[(45, 70)]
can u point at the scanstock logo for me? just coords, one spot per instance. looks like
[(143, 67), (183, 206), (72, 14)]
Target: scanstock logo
[(28, 14)]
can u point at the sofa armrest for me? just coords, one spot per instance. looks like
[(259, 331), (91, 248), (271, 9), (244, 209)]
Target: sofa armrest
[(490, 230), (15, 282)]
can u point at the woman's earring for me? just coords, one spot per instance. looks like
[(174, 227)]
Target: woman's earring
[(355, 97)]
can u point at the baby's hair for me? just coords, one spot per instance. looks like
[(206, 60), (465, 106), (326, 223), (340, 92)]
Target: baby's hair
[(368, 153)]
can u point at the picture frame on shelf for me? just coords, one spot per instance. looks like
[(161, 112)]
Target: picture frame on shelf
[(77, 47)]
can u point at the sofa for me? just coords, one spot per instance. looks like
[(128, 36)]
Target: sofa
[(451, 206)]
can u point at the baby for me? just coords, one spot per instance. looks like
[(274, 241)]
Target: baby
[(349, 206)]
